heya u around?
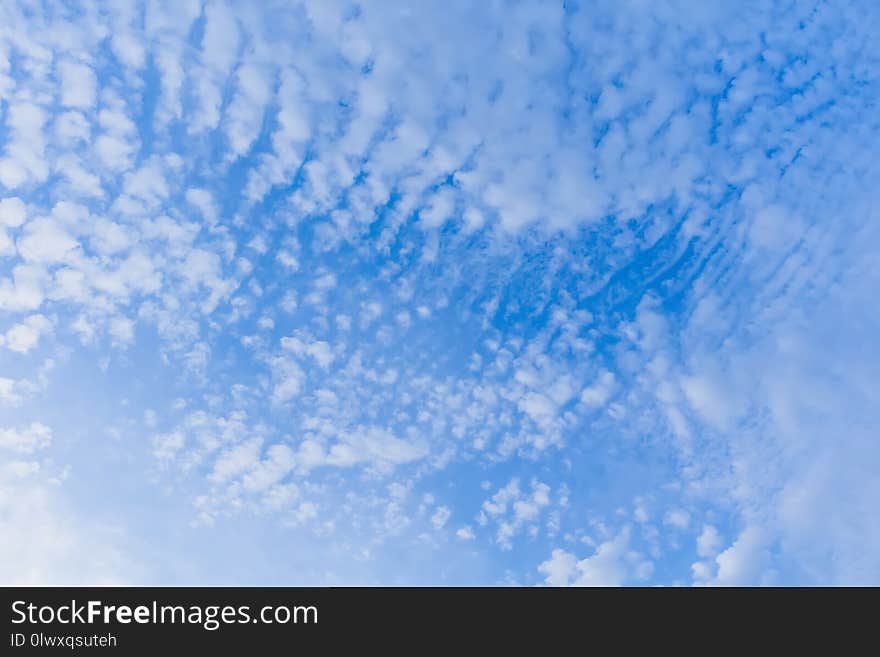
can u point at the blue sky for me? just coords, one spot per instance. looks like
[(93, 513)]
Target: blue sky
[(439, 293)]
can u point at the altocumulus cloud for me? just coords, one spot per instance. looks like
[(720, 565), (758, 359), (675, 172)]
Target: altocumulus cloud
[(565, 293)]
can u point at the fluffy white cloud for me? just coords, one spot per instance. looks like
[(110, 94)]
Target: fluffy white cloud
[(25, 336), (612, 564), (78, 84), (599, 392), (745, 562), (708, 542), (26, 440), (12, 212), (441, 517), (513, 509)]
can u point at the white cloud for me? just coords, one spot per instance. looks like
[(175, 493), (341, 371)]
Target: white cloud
[(204, 201), (237, 460), (121, 329), (279, 461), (78, 84), (166, 446), (678, 518), (26, 440), (376, 447), (560, 568), (613, 563), (538, 407), (47, 541), (24, 161), (46, 241), (25, 290), (12, 212), (743, 563), (72, 128), (708, 542), (246, 109), (220, 43), (441, 517), (319, 350), (599, 392), (23, 337), (514, 509), (288, 377), (465, 533), (8, 393)]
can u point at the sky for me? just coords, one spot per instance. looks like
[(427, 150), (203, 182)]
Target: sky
[(496, 293)]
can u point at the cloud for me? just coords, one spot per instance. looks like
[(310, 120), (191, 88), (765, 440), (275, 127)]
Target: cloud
[(46, 540), (78, 85), (319, 350), (441, 517), (46, 241), (25, 146), (23, 337), (12, 212), (708, 542), (678, 518), (598, 393), (512, 509), (745, 562), (375, 446), (612, 564), (26, 440)]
